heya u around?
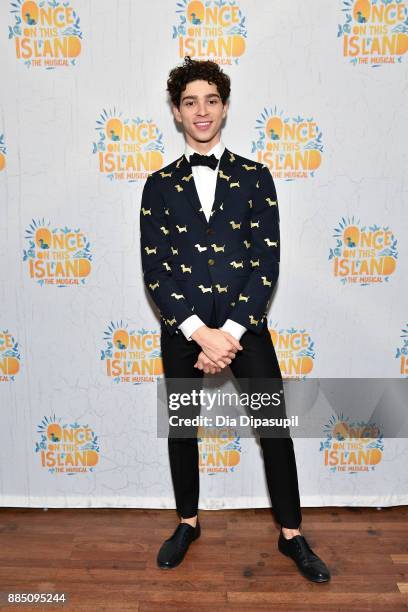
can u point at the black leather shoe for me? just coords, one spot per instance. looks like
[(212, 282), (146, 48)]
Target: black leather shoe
[(173, 549), (309, 564)]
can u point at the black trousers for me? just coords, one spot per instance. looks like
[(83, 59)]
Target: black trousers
[(256, 360)]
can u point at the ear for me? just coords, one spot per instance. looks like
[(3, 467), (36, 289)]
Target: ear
[(225, 110), (176, 113)]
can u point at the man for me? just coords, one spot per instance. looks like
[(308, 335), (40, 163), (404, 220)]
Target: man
[(210, 249)]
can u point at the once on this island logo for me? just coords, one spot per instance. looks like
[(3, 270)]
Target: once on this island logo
[(127, 149), (351, 447), (3, 153), (67, 449), (46, 34), (219, 449), (290, 146), (58, 257), (132, 356), (214, 30), (294, 350), (374, 33), (363, 255), (402, 352), (9, 356)]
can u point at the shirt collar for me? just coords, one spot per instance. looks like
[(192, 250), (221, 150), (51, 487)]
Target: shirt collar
[(217, 149)]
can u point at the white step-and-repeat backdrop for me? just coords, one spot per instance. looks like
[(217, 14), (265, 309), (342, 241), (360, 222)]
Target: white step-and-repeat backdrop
[(319, 95)]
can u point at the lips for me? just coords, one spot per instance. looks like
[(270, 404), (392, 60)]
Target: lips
[(203, 125)]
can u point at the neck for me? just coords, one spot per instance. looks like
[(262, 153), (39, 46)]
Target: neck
[(203, 147)]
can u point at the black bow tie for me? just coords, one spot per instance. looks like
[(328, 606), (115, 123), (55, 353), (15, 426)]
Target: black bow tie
[(204, 160)]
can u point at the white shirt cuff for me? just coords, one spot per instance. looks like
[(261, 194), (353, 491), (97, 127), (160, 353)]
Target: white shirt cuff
[(189, 325), (234, 328)]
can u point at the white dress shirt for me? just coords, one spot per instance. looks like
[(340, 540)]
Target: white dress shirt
[(205, 179)]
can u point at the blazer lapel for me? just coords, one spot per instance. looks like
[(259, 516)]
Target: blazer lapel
[(186, 185), (225, 176)]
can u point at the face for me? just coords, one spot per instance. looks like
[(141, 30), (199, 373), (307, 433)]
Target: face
[(201, 113)]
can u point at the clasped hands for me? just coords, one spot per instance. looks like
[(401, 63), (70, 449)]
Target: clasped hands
[(219, 348)]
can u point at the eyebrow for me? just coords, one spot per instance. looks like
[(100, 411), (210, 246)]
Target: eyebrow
[(207, 96)]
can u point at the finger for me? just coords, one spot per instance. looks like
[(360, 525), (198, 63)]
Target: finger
[(220, 363), (234, 342), (213, 363)]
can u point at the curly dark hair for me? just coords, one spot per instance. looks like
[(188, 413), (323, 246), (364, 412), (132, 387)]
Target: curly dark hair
[(191, 70)]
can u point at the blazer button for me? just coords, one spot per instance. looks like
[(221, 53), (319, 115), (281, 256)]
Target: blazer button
[(211, 262), (210, 231)]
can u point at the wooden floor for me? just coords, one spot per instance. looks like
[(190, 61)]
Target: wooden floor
[(105, 559)]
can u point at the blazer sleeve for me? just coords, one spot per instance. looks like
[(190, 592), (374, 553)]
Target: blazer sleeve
[(156, 257), (264, 255)]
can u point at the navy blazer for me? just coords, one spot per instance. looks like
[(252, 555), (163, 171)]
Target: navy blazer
[(232, 260)]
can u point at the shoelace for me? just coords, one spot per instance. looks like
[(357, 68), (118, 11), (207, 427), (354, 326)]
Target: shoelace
[(304, 549)]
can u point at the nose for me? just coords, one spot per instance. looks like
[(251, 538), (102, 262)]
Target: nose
[(202, 108)]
